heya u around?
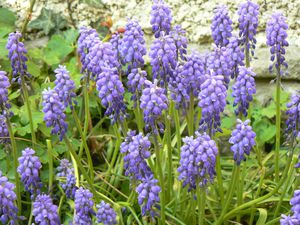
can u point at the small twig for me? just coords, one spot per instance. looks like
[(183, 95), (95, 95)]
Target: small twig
[(28, 17), (70, 13)]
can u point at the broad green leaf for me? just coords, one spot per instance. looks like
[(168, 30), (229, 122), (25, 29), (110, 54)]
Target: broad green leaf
[(44, 21), (2, 154), (74, 71), (264, 130), (7, 18), (5, 31), (263, 214), (70, 36), (33, 69), (35, 53)]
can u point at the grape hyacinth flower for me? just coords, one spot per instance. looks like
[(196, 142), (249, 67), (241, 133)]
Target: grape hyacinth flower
[(4, 134), (116, 41), (4, 85), (276, 39), (179, 36), (29, 170), (135, 83), (54, 116), (221, 26), (136, 149), (111, 93), (243, 90), (133, 45), (220, 62), (242, 140), (153, 101), (8, 209), (44, 211), (148, 195), (248, 22), (236, 54), (160, 18), (106, 214), (83, 207), (197, 161), (295, 218), (212, 100), (64, 86), (66, 170), (163, 58), (102, 55), (17, 56), (86, 40), (293, 113)]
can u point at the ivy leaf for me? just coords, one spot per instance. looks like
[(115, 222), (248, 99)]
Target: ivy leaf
[(48, 21), (7, 18)]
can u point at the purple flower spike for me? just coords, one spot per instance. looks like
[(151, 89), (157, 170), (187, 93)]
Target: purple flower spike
[(44, 211), (64, 86), (83, 207), (212, 100), (116, 41), (54, 116), (243, 90), (87, 39), (221, 26), (163, 58), (133, 45), (295, 203), (136, 81), (293, 112), (289, 220), (17, 56), (4, 85), (148, 195), (66, 170), (153, 101), (160, 18), (179, 36), (242, 140), (111, 93), (236, 54), (276, 39), (106, 214), (220, 62), (4, 134), (136, 149), (197, 161), (102, 55), (8, 209), (248, 22), (29, 170)]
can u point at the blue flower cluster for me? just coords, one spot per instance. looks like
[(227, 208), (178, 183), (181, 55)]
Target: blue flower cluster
[(4, 85), (180, 39), (160, 18), (29, 170), (105, 214), (65, 170), (236, 54), (4, 134), (212, 100), (295, 218), (153, 101), (276, 39), (197, 161), (248, 22), (111, 93), (242, 140), (83, 207), (221, 26), (64, 86), (44, 211), (243, 90), (293, 113), (54, 109), (136, 82), (17, 56), (8, 209)]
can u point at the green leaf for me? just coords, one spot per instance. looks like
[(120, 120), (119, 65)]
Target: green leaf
[(70, 36), (263, 214), (94, 3), (35, 53), (74, 71), (5, 31), (33, 69), (7, 18), (264, 130)]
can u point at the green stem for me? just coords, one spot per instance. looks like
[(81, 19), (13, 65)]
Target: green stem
[(28, 17), (161, 180), (60, 203), (290, 162), (191, 116), (139, 117), (240, 188), (230, 193), (30, 216), (27, 103), (81, 168), (84, 144), (15, 159), (201, 199), (169, 150), (247, 55), (177, 127), (219, 179), (50, 163), (278, 120)]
